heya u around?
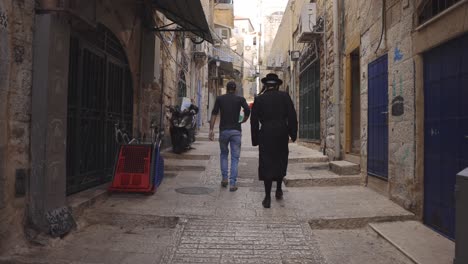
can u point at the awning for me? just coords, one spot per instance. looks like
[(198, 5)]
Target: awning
[(188, 14)]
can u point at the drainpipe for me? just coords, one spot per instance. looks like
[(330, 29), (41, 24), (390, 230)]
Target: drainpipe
[(336, 81), (292, 68), (140, 84)]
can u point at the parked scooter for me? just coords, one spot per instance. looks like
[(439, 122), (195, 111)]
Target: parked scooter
[(183, 125)]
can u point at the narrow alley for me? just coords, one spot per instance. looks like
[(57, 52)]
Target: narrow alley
[(371, 95), (192, 219)]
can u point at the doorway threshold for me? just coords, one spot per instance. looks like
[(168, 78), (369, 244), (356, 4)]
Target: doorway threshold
[(78, 202)]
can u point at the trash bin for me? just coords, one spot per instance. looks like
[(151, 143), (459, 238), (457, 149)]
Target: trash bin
[(461, 221)]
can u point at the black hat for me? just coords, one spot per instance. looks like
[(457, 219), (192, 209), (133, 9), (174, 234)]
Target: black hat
[(272, 78)]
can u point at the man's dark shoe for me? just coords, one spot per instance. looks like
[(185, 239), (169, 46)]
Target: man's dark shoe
[(233, 188), (266, 203), (279, 194), (224, 183)]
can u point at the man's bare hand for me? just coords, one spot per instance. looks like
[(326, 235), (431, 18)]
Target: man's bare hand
[(212, 135)]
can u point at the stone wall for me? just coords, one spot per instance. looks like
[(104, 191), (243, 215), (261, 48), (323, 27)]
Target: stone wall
[(326, 57), (16, 22), (327, 98), (363, 24)]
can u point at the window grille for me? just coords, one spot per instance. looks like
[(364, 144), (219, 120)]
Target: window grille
[(431, 8)]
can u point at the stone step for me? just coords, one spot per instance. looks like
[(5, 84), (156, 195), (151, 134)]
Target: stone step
[(357, 222), (184, 156), (308, 167), (176, 168), (184, 165), (342, 167), (417, 242), (320, 178), (307, 159)]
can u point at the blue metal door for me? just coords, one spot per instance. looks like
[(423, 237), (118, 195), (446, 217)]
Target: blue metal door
[(377, 147), (445, 130)]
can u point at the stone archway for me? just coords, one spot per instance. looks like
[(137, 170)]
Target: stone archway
[(100, 94)]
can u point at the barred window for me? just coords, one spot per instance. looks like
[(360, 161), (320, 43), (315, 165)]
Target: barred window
[(431, 8)]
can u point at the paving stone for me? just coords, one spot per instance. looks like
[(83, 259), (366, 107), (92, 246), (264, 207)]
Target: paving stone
[(141, 258), (253, 242), (230, 227), (357, 247)]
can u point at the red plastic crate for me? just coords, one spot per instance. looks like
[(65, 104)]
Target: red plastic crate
[(133, 169)]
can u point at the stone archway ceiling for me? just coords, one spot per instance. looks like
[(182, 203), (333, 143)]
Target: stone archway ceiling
[(188, 14)]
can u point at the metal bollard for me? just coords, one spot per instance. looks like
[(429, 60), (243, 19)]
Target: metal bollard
[(461, 221)]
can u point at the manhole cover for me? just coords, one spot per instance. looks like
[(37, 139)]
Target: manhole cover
[(194, 190)]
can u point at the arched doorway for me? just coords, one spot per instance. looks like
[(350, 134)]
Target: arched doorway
[(100, 94)]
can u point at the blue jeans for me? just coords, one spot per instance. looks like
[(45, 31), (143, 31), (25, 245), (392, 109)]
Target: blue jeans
[(233, 137)]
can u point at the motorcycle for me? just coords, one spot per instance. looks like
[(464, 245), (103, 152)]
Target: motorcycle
[(183, 125)]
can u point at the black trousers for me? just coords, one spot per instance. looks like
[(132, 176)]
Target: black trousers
[(268, 184)]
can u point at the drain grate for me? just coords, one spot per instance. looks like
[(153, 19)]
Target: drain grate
[(194, 190)]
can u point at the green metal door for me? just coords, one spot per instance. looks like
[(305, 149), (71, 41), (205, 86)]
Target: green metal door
[(309, 102)]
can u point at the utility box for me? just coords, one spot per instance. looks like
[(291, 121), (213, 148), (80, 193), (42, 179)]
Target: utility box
[(307, 22), (461, 221)]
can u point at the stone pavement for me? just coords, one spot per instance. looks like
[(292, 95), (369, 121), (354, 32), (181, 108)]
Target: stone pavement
[(191, 219)]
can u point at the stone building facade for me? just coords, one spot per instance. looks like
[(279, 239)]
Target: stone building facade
[(385, 33), (16, 36), (393, 102), (312, 54), (408, 34), (67, 75)]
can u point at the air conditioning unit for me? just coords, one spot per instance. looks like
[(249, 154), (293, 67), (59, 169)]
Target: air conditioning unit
[(307, 22)]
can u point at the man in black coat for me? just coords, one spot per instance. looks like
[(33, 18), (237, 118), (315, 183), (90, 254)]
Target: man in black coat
[(274, 110)]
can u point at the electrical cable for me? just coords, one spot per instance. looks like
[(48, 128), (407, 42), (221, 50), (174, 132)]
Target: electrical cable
[(383, 26)]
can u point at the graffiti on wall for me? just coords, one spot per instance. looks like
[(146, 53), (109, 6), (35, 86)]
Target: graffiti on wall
[(398, 101), (398, 56)]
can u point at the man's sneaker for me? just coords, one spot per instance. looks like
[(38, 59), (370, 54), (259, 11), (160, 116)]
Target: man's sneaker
[(224, 183), (233, 188)]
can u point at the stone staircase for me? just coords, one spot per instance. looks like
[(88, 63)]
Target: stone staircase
[(317, 171)]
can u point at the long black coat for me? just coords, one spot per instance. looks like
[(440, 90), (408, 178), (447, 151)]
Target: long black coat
[(273, 120)]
